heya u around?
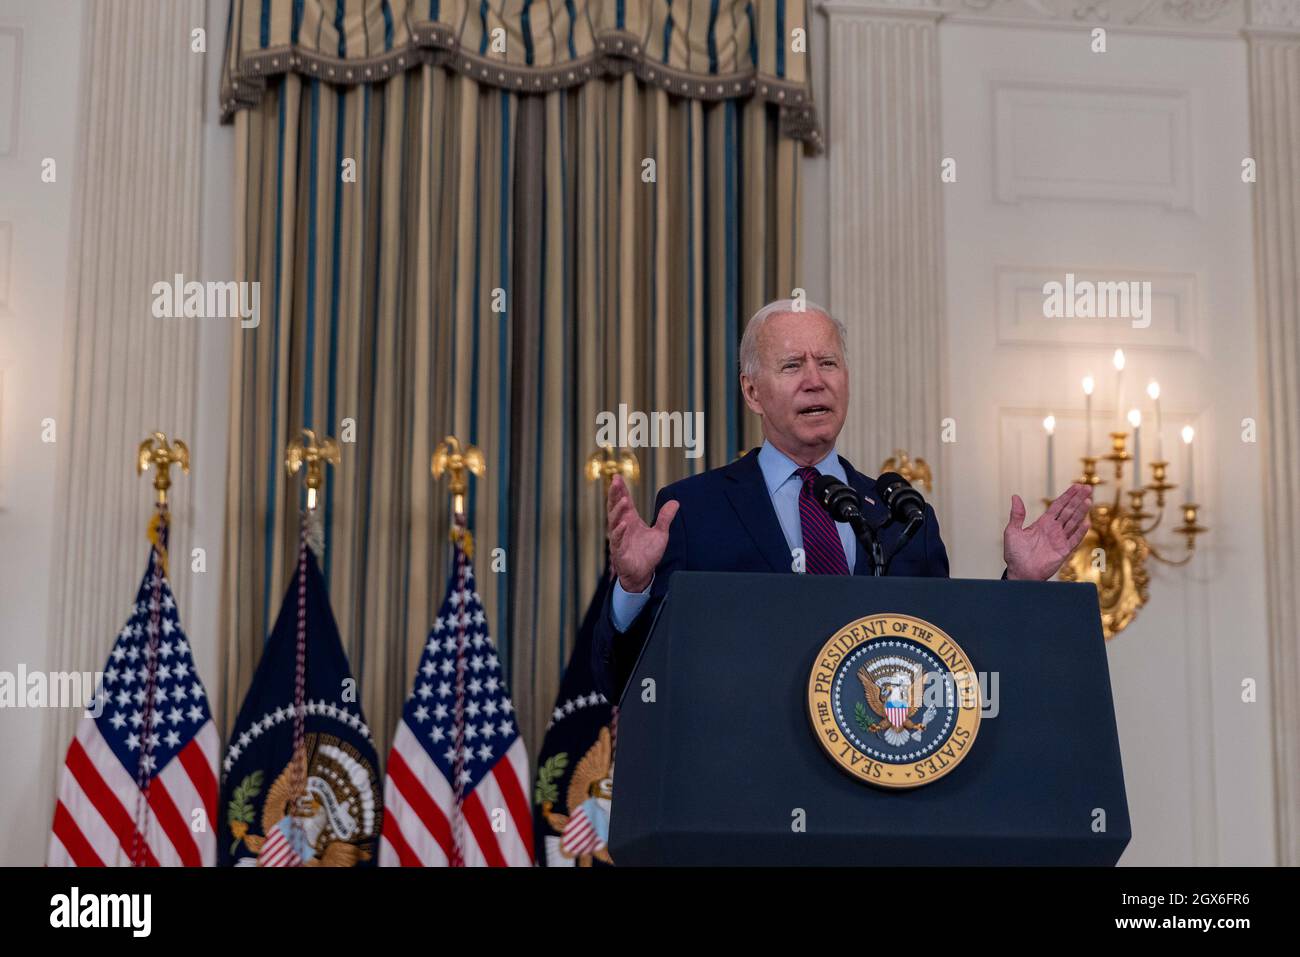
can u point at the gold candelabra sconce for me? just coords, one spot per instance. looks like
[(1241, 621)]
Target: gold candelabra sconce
[(458, 464), (606, 462), (313, 453), (916, 471), (1113, 554), (156, 451)]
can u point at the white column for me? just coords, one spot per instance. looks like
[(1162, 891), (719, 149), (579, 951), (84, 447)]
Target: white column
[(137, 181), (1274, 44), (886, 214)]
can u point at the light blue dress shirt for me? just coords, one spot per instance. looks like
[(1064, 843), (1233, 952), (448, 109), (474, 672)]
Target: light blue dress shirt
[(783, 484)]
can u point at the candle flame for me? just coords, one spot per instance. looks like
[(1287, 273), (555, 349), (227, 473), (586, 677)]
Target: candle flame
[(1118, 359), (1153, 389), (1134, 418), (1188, 434), (1049, 424), (1088, 385)]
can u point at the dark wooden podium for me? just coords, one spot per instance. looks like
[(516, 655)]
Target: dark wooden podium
[(718, 765)]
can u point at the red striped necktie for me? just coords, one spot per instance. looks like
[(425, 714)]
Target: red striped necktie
[(822, 548)]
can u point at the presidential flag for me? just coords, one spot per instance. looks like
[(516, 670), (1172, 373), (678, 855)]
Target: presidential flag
[(575, 769), (139, 784), (300, 786), (455, 793)]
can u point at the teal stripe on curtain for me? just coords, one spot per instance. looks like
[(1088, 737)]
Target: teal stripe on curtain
[(273, 458), (731, 236), (503, 632), (313, 210), (780, 37), (332, 412)]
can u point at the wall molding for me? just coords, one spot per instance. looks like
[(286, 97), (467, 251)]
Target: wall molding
[(1176, 321), (1222, 19), (11, 66), (1018, 103), (1175, 17), (125, 373), (1275, 125), (883, 261)]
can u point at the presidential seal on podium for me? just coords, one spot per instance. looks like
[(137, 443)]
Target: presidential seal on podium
[(894, 701)]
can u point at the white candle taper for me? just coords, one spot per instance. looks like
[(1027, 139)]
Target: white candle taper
[(1088, 386), (1049, 425), (1135, 420), (1153, 390), (1118, 361), (1188, 434)]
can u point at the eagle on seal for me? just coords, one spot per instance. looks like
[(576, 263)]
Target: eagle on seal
[(894, 690)]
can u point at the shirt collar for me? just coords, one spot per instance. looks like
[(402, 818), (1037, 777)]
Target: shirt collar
[(777, 467)]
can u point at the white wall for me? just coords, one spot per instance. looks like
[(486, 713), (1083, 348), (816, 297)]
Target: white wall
[(1128, 164), (31, 365), (33, 314)]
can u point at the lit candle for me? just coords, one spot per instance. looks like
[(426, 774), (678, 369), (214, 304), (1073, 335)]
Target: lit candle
[(1118, 360), (1188, 435), (1088, 386), (1135, 420), (1049, 425), (1153, 390)]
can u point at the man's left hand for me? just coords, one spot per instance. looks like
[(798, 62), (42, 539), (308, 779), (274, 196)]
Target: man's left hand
[(1037, 553)]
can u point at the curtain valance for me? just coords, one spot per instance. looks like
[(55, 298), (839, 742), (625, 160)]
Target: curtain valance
[(700, 49)]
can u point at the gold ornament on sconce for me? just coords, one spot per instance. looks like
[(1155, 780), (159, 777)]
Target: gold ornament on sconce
[(457, 463), (1113, 555), (313, 453), (157, 452), (916, 471), (606, 462)]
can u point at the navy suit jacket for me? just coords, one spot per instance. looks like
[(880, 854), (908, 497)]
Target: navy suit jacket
[(727, 523)]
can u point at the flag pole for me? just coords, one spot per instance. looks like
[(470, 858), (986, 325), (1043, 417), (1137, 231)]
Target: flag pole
[(604, 464), (308, 455), (458, 464), (157, 453)]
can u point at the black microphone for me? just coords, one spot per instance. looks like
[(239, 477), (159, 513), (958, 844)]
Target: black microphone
[(905, 503), (840, 500), (844, 505)]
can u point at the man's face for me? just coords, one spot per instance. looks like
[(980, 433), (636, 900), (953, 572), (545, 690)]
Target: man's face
[(802, 387)]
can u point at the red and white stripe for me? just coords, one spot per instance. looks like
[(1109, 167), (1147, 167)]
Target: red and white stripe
[(419, 805), (579, 836), (278, 851), (94, 817)]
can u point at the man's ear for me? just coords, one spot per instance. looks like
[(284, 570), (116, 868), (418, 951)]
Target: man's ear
[(750, 393)]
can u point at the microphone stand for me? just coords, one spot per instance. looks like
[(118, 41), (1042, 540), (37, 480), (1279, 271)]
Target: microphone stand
[(866, 535), (908, 533)]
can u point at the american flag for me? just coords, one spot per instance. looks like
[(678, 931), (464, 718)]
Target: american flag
[(455, 794), (139, 776)]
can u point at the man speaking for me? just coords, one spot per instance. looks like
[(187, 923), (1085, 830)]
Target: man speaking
[(760, 513)]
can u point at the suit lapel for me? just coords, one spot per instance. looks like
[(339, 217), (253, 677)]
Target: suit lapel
[(873, 508), (747, 493)]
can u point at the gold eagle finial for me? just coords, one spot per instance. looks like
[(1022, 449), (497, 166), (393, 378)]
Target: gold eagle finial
[(156, 451)]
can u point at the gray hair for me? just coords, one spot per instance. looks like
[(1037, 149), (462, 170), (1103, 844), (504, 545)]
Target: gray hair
[(780, 307)]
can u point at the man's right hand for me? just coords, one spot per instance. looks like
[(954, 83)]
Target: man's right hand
[(635, 548)]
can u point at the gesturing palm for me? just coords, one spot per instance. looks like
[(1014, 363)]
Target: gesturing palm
[(1036, 553), (634, 547)]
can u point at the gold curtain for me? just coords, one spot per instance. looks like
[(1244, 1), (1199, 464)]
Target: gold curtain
[(437, 255)]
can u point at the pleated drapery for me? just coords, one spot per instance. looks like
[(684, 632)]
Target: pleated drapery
[(440, 255)]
